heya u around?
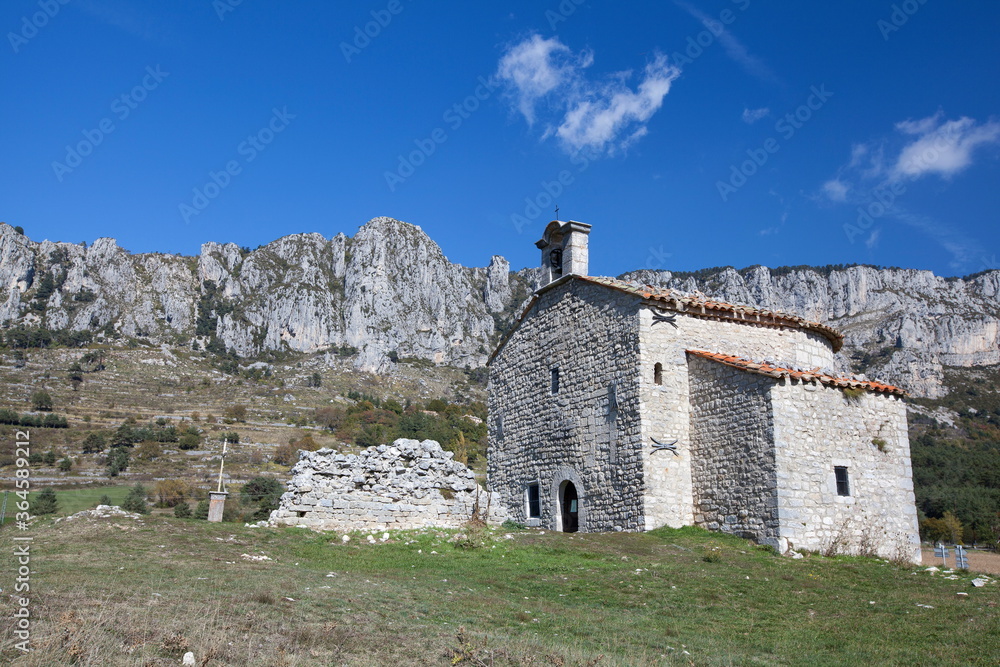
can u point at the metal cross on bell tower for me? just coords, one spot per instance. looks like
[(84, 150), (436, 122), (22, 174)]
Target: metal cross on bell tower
[(557, 211)]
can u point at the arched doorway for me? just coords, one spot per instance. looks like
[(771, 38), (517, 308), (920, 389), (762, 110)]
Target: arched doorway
[(569, 504)]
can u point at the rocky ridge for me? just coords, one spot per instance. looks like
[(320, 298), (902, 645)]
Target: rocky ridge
[(389, 293)]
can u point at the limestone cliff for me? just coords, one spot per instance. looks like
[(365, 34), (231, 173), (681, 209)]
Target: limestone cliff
[(389, 292)]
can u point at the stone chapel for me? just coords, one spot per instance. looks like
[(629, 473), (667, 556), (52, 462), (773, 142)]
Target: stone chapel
[(615, 406)]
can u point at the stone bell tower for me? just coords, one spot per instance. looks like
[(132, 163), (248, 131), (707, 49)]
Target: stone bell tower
[(564, 250)]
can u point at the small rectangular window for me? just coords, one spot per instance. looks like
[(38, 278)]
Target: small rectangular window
[(534, 504), (843, 483), (555, 381)]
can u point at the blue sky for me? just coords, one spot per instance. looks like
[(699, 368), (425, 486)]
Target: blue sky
[(689, 134)]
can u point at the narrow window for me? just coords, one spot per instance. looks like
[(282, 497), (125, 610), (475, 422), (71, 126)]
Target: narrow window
[(499, 427), (555, 380), (843, 484), (534, 505), (658, 373)]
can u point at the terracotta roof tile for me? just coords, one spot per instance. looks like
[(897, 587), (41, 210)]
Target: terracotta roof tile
[(813, 375), (703, 305)]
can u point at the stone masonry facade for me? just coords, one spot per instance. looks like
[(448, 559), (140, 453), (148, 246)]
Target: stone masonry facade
[(663, 409)]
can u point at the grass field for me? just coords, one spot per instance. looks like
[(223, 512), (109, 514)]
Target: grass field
[(126, 592), (72, 501)]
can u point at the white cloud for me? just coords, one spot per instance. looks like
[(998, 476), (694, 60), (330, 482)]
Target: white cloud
[(599, 116), (942, 148), (873, 239), (751, 116), (535, 67), (881, 171), (836, 189)]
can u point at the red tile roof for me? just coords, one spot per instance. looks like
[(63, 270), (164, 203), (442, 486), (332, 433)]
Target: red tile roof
[(702, 306), (805, 376)]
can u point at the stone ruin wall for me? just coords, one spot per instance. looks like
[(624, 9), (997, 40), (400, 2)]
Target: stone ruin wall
[(408, 484)]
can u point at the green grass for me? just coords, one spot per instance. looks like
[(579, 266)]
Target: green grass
[(122, 592), (72, 501)]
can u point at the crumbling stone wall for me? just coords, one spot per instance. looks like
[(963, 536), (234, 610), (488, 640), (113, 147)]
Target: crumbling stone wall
[(408, 484)]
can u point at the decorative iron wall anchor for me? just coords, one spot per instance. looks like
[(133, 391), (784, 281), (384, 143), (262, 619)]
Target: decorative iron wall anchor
[(664, 446), (660, 317)]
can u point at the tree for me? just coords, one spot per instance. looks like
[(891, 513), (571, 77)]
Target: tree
[(117, 461), (19, 229), (232, 437), (94, 443), (148, 450), (75, 376), (260, 489), (235, 413), (189, 441), (314, 380), (182, 510), (41, 400), (135, 501), (50, 458), (44, 503), (201, 510), (105, 500), (66, 464)]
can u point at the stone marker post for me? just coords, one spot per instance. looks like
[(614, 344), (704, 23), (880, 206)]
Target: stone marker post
[(216, 503)]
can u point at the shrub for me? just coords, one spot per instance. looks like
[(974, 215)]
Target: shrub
[(94, 443), (148, 450), (286, 455), (105, 500), (189, 441), (41, 400), (201, 510), (183, 511), (66, 464), (232, 437), (235, 413), (171, 492), (50, 457), (117, 461), (44, 503), (135, 501)]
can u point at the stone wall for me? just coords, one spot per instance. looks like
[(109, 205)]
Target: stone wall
[(588, 432), (733, 468), (408, 484), (817, 428), (665, 407)]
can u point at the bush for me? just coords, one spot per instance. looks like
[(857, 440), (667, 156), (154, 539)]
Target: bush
[(50, 457), (189, 441), (183, 511), (44, 503), (105, 500), (94, 443), (149, 450), (232, 437), (135, 501), (41, 400), (66, 464), (171, 492), (117, 461), (235, 413), (201, 510)]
